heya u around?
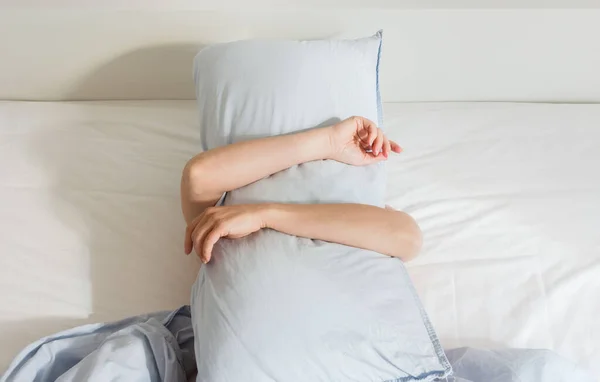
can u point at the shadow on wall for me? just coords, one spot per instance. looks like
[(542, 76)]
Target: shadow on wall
[(156, 72), (123, 203)]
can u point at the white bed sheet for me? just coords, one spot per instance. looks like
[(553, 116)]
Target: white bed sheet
[(508, 196)]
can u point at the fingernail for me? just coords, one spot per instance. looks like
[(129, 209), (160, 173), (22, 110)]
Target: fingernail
[(376, 152)]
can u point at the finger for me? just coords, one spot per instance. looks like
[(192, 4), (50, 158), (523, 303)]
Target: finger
[(395, 147), (188, 244), (203, 227), (363, 135), (378, 143), (386, 147), (371, 129), (210, 240), (372, 136), (367, 122)]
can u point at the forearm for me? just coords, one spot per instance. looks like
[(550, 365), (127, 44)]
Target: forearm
[(389, 232), (209, 174)]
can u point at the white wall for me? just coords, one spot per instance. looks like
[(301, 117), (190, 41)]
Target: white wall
[(429, 55), (283, 4)]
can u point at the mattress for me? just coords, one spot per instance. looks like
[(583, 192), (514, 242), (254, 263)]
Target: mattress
[(507, 195)]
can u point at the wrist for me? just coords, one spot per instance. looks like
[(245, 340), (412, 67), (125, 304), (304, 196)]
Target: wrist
[(319, 143), (269, 214), (264, 213), (330, 143)]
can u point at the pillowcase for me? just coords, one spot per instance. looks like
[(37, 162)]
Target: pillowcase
[(274, 307)]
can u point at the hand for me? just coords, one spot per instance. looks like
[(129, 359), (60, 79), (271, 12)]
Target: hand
[(357, 141), (217, 222)]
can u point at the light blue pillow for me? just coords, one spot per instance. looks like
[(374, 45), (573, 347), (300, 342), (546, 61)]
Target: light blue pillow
[(273, 307)]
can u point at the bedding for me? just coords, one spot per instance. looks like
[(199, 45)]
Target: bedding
[(271, 306), (154, 347), (159, 347), (513, 365), (90, 227)]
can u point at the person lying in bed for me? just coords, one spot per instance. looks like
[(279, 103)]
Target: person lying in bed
[(354, 141)]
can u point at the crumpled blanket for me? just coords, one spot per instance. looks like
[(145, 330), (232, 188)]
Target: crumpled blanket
[(153, 347), (160, 347)]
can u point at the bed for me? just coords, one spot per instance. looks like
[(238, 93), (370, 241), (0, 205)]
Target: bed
[(507, 194)]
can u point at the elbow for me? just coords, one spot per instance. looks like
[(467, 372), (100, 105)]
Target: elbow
[(408, 238), (193, 179), (194, 166), (188, 175), (413, 244)]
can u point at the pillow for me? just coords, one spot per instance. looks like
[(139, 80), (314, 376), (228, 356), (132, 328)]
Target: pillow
[(274, 307)]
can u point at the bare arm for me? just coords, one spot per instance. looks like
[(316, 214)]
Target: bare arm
[(386, 231), (356, 141), (210, 174)]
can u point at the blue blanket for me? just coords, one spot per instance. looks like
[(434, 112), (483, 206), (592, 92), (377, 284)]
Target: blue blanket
[(160, 347), (154, 347)]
